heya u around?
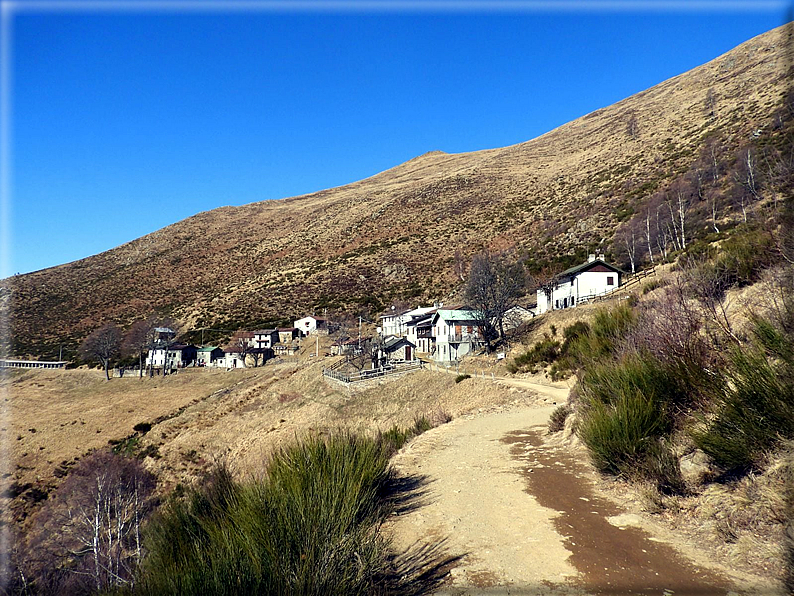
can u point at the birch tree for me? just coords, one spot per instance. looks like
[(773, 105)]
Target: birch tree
[(648, 235), (630, 244), (90, 529)]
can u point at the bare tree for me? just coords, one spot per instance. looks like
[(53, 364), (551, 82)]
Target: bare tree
[(545, 282), (708, 284), (713, 204), (629, 242), (677, 207), (102, 345), (90, 530), (648, 235), (662, 235), (136, 342), (682, 205), (711, 102), (145, 336), (495, 283), (242, 342), (459, 265), (748, 174), (633, 126)]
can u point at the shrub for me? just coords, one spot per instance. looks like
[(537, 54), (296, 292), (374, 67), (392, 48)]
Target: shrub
[(746, 253), (393, 439), (756, 410), (558, 417), (460, 378), (421, 425), (142, 427), (627, 411), (653, 284), (311, 526), (545, 350)]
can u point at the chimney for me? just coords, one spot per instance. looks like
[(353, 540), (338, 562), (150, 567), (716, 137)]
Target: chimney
[(590, 258)]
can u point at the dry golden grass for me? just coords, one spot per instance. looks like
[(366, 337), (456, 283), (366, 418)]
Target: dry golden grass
[(199, 416)]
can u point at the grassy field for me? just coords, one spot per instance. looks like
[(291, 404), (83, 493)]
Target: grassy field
[(55, 417)]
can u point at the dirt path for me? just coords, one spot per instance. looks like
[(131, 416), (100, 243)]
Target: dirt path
[(526, 520)]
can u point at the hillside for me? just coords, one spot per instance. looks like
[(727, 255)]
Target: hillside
[(393, 236)]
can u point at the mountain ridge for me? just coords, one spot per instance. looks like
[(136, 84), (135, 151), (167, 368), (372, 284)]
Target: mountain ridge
[(392, 236)]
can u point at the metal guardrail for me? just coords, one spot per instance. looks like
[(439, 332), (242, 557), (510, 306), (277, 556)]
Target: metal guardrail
[(367, 375), (10, 363)]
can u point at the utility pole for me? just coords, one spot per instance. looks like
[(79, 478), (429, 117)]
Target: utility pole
[(359, 332)]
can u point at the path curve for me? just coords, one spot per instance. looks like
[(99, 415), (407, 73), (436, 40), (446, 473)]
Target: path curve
[(479, 500)]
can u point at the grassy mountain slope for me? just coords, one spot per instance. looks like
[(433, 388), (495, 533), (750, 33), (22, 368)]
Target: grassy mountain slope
[(393, 236)]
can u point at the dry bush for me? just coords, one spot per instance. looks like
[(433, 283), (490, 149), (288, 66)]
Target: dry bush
[(87, 537)]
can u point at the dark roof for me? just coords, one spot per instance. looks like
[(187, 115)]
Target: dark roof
[(288, 329), (421, 319), (264, 332), (585, 266), (392, 343)]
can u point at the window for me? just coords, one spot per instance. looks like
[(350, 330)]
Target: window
[(610, 280)]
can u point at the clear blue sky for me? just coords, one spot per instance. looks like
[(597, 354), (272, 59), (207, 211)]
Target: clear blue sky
[(126, 121)]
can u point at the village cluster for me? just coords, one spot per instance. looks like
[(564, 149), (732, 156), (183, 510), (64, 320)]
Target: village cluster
[(444, 334)]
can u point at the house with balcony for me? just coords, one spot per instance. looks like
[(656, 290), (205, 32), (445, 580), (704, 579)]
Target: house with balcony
[(419, 331), (400, 323), (456, 332), (580, 284), (265, 338)]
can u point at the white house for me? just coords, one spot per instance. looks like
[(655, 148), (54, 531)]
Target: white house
[(287, 334), (171, 356), (579, 284), (311, 325), (456, 332), (232, 358), (265, 338), (397, 322)]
